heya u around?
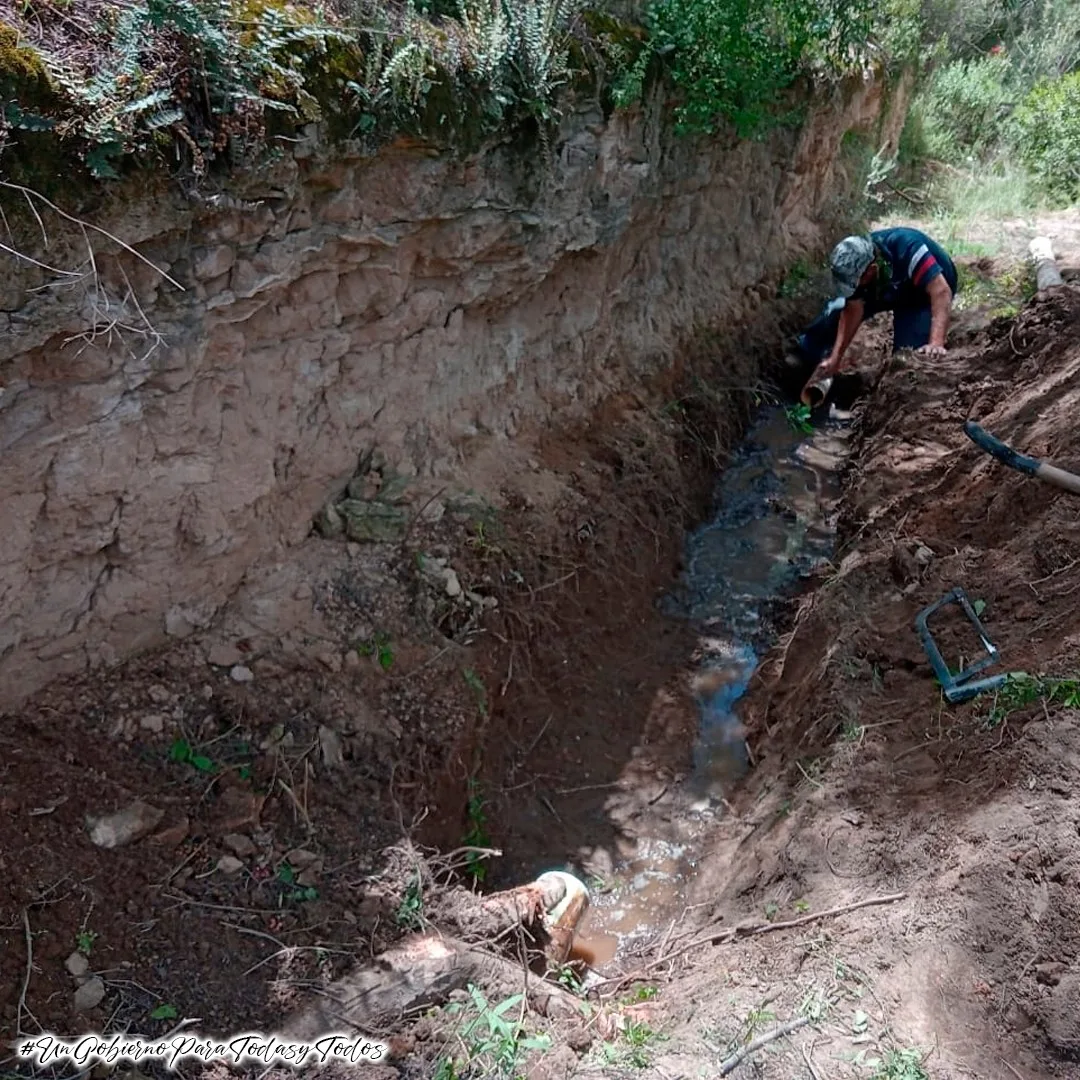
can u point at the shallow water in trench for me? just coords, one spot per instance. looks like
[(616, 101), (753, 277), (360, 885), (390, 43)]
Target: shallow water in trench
[(773, 522)]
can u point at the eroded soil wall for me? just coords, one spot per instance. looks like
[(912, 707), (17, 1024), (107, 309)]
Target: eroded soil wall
[(428, 307)]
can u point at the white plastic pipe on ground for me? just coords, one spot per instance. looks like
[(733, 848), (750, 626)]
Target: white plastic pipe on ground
[(1041, 251)]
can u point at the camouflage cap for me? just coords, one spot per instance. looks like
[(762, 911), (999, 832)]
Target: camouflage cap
[(849, 261)]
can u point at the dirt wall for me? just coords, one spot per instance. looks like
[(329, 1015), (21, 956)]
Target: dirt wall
[(410, 302)]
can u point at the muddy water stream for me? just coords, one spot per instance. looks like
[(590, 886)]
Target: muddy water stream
[(774, 520)]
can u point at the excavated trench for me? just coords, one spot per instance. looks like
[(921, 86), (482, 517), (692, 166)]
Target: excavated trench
[(773, 523)]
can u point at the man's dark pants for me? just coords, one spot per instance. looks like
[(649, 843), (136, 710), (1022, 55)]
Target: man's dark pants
[(911, 326)]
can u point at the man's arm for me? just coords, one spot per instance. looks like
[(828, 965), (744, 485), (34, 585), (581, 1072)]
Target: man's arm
[(850, 321), (940, 307)]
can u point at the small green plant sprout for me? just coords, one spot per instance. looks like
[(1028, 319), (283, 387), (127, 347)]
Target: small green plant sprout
[(84, 941), (772, 909), (410, 912), (476, 685), (567, 977), (1021, 690), (476, 835), (798, 417), (182, 751), (639, 1037), (378, 645), (802, 906), (901, 1065), (492, 1039), (164, 1012), (294, 892)]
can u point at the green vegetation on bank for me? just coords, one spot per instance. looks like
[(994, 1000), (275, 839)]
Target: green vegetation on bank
[(198, 84), (997, 116)]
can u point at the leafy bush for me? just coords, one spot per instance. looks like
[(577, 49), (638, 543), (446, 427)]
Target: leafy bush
[(732, 60), (963, 111), (1046, 135)]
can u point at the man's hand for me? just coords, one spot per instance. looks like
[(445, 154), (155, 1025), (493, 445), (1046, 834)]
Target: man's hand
[(826, 369), (932, 350)]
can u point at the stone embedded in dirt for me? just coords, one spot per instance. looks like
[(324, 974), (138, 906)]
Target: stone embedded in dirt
[(224, 654), (239, 844), (230, 865), (241, 674), (235, 809), (372, 522), (350, 660), (174, 835), (434, 512), (923, 555), (159, 695), (90, 995), (210, 263), (125, 826), (154, 723), (77, 965), (330, 744), (353, 550), (329, 523), (301, 858), (452, 586)]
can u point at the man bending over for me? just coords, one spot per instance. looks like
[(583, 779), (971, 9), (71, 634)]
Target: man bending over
[(900, 270)]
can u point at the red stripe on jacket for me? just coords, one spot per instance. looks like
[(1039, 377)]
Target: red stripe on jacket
[(927, 265)]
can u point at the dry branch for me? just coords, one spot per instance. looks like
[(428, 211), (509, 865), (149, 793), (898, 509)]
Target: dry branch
[(736, 1059)]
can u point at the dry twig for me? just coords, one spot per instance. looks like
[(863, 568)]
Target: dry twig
[(736, 1059)]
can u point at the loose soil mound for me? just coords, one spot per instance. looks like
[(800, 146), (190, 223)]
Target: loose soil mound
[(868, 783)]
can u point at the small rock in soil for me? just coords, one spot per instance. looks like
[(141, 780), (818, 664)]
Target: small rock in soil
[(90, 995), (301, 858), (222, 654), (923, 555), (236, 809), (329, 522), (154, 723), (239, 844), (241, 674), (372, 522), (77, 965), (453, 586), (159, 695), (230, 865), (330, 744), (125, 826), (174, 835)]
